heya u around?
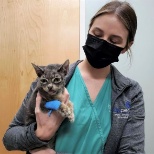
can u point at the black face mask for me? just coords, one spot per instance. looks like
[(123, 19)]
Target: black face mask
[(100, 53)]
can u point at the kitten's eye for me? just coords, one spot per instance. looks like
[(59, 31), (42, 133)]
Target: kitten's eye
[(44, 81), (57, 80)]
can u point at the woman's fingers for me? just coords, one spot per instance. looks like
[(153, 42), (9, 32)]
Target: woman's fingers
[(66, 96)]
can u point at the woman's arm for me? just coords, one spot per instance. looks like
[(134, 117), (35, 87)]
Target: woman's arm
[(21, 137), (18, 136), (132, 140)]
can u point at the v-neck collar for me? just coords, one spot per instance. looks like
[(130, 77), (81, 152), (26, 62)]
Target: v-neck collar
[(102, 89)]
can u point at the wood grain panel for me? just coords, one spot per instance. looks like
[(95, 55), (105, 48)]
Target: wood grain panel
[(38, 31)]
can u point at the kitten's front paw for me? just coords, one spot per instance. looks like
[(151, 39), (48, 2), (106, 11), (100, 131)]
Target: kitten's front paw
[(71, 117), (67, 111)]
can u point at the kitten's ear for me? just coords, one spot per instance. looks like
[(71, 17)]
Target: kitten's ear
[(38, 69), (64, 67)]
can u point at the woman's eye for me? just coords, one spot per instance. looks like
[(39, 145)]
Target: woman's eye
[(113, 42), (44, 81), (98, 35), (97, 32)]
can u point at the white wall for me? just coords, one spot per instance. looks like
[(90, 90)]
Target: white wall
[(142, 66)]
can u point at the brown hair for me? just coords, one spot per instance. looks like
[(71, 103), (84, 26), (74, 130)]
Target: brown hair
[(126, 15)]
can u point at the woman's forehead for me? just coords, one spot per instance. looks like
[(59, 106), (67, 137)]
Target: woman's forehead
[(110, 23)]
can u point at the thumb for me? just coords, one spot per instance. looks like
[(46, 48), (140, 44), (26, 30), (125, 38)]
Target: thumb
[(38, 101), (66, 96)]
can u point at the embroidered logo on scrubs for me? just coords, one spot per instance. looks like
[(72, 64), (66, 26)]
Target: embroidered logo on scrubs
[(122, 113)]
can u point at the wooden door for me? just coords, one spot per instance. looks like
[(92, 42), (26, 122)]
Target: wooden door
[(38, 31)]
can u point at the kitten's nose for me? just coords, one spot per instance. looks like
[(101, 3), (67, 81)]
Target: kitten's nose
[(50, 86)]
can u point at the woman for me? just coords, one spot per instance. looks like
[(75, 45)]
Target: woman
[(109, 108)]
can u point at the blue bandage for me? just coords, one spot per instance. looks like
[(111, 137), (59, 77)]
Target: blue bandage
[(52, 105)]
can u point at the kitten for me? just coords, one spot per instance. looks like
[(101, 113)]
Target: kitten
[(50, 85)]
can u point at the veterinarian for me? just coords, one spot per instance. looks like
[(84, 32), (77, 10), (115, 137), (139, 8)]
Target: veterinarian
[(109, 108)]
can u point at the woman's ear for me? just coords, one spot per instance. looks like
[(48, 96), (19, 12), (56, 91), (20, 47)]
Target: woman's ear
[(126, 48)]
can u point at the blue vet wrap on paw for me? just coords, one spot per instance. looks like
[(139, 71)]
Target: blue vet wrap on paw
[(49, 113), (52, 105)]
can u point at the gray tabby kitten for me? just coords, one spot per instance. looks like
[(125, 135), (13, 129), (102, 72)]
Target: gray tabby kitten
[(50, 85)]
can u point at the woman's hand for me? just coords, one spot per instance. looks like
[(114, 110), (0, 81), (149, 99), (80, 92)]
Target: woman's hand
[(48, 125), (43, 151)]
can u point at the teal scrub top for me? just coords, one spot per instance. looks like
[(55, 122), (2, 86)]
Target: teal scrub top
[(88, 133)]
